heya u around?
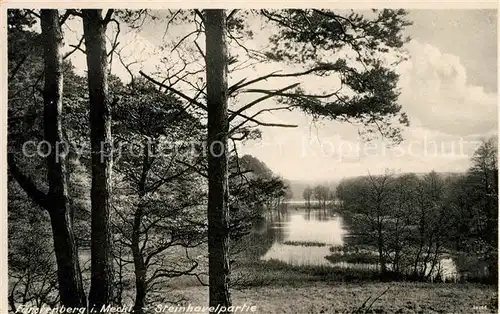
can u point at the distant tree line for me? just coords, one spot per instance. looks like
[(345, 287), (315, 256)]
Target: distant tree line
[(323, 195), (413, 221)]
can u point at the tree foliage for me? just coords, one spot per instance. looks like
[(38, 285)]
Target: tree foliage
[(414, 221)]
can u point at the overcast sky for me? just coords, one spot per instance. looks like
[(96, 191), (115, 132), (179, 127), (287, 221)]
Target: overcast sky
[(448, 89)]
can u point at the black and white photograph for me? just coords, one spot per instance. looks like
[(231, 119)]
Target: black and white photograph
[(267, 159)]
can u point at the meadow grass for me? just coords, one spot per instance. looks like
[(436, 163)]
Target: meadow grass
[(334, 297), (277, 287), (355, 258), (273, 271)]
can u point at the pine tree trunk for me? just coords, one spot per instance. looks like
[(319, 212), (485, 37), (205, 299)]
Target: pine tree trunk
[(68, 266), (218, 220), (101, 285)]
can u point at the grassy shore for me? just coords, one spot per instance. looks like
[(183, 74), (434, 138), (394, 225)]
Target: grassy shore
[(301, 243), (275, 287), (336, 297)]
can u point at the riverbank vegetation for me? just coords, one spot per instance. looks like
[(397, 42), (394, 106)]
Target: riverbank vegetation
[(413, 222)]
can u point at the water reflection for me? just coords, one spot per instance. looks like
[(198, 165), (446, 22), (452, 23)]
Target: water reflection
[(317, 227), (304, 237), (298, 255), (306, 230)]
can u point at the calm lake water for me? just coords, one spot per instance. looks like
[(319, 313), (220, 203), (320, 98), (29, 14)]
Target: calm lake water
[(301, 237)]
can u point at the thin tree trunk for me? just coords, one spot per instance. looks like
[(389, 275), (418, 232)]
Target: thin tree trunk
[(68, 266), (139, 267), (101, 285), (491, 227), (120, 280), (421, 242), (380, 244), (218, 220), (435, 261)]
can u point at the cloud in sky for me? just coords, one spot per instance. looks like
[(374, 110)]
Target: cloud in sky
[(448, 118), (436, 94), (469, 34)]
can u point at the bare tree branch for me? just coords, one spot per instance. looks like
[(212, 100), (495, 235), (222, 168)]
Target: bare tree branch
[(170, 21), (323, 67), (26, 183), (184, 38), (108, 16), (67, 14), (200, 15), (261, 99), (34, 13), (75, 48), (252, 119), (178, 93), (199, 50), (115, 42), (234, 129), (230, 15), (17, 67)]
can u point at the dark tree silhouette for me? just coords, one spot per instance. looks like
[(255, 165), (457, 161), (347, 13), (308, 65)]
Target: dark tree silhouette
[(101, 287), (218, 127)]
